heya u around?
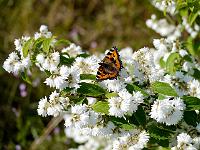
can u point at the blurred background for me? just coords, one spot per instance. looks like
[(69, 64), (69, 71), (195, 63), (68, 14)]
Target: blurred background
[(95, 25)]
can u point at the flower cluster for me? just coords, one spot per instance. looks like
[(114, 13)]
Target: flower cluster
[(168, 111), (54, 106), (152, 97), (185, 141), (125, 103)]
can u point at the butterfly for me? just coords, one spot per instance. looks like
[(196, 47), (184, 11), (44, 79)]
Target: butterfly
[(110, 66)]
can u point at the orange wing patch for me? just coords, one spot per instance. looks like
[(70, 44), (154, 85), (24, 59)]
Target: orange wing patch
[(110, 66)]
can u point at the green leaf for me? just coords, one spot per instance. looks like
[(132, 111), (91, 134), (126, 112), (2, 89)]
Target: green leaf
[(162, 63), (90, 89), (193, 46), (80, 100), (182, 8), (128, 126), (67, 89), (140, 116), (171, 62), (158, 133), (88, 77), (133, 87), (26, 47), (113, 94), (161, 96), (196, 74), (83, 55), (190, 118), (26, 78), (101, 107), (62, 42), (192, 103), (192, 17), (46, 44), (118, 121), (163, 88), (38, 43), (66, 61)]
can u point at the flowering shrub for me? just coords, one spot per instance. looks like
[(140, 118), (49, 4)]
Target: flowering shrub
[(154, 101)]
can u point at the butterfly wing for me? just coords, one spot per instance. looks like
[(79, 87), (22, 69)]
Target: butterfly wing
[(113, 57), (110, 66), (103, 74)]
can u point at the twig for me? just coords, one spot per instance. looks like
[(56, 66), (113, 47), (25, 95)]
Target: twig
[(51, 125)]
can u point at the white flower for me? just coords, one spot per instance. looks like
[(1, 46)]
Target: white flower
[(56, 81), (125, 103), (196, 142), (93, 118), (105, 131), (72, 50), (15, 65), (160, 44), (49, 63), (133, 140), (165, 29), (76, 134), (64, 77), (43, 29), (78, 118), (165, 5), (126, 53), (194, 88), (54, 107), (198, 127), (91, 100), (87, 65), (40, 58), (168, 111), (184, 141), (145, 68), (9, 63), (19, 43), (113, 85), (42, 107), (115, 104), (74, 77), (26, 62), (183, 52), (57, 104), (43, 32)]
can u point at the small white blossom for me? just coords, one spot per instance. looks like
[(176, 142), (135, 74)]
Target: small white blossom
[(133, 140), (72, 50), (54, 107), (78, 118), (198, 127), (87, 65), (184, 141), (76, 134), (125, 103), (43, 32), (42, 107), (165, 5), (15, 65), (43, 29), (194, 88), (64, 77), (168, 111), (196, 142), (113, 85)]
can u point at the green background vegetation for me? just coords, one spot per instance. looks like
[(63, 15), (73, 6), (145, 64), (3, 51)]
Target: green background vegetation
[(95, 25)]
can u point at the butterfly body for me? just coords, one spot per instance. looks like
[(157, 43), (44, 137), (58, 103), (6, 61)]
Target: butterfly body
[(110, 66)]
